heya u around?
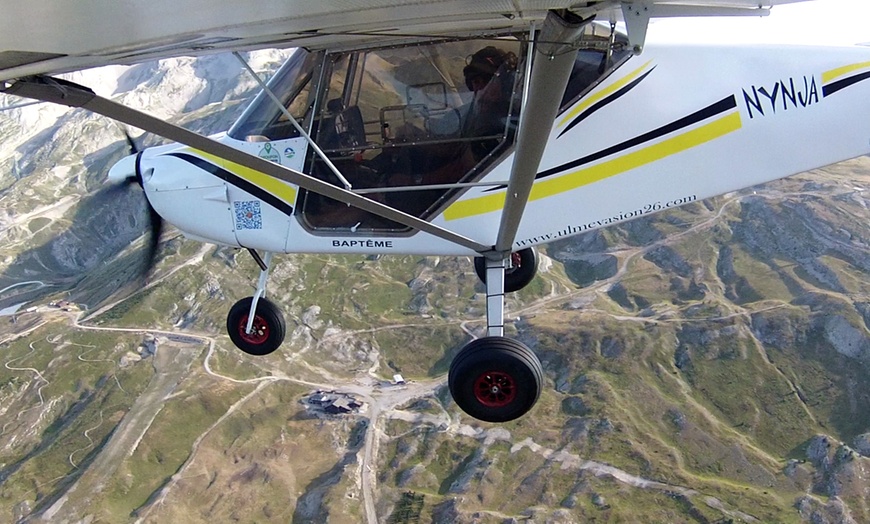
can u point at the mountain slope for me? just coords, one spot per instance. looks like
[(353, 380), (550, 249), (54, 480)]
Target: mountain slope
[(707, 364)]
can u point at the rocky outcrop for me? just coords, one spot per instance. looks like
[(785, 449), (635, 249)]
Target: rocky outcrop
[(795, 231), (584, 258), (586, 269), (779, 330), (861, 444), (846, 339), (834, 511), (669, 261), (840, 471), (574, 406)]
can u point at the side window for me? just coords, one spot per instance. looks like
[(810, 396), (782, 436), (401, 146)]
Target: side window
[(600, 53), (414, 120)]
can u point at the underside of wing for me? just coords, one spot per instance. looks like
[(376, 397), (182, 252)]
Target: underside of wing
[(56, 36)]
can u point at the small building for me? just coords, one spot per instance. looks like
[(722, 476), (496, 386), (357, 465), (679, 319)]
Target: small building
[(320, 398), (341, 405), (333, 403)]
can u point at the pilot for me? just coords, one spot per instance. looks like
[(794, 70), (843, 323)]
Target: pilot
[(489, 75)]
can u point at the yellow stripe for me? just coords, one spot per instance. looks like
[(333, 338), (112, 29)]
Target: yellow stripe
[(840, 71), (475, 206), (582, 177), (592, 99), (270, 184)]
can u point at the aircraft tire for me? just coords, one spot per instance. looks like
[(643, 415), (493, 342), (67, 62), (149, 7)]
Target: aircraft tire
[(495, 379), (525, 267), (269, 327)]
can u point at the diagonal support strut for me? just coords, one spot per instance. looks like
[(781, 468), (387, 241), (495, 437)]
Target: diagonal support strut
[(551, 70), (62, 92)]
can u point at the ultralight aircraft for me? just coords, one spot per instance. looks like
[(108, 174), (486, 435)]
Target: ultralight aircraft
[(450, 128)]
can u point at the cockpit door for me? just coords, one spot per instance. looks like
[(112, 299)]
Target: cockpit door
[(262, 207)]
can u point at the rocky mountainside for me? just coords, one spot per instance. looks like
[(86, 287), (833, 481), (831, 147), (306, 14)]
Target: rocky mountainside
[(705, 364), (58, 219)]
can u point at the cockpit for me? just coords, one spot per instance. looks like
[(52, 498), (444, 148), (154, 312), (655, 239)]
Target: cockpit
[(408, 126)]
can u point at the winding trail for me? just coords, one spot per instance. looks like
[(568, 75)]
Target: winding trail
[(40, 283), (169, 369), (382, 403), (90, 441), (35, 372)]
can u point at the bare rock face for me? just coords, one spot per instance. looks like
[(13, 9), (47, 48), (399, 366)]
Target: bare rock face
[(840, 471), (833, 512), (779, 332), (861, 444), (574, 406), (669, 260), (420, 289), (846, 339), (447, 512), (818, 451), (58, 159)]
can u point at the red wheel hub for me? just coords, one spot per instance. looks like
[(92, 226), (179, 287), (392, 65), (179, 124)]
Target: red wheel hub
[(516, 262), (495, 389), (259, 331)]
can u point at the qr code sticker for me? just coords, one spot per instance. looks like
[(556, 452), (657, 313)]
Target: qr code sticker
[(248, 215)]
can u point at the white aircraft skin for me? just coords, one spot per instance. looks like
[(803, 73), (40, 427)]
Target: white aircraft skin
[(699, 121)]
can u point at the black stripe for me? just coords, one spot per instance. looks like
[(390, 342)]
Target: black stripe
[(726, 104), (600, 104), (237, 181), (833, 87)]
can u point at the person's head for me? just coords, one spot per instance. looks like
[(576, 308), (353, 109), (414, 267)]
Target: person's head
[(482, 65)]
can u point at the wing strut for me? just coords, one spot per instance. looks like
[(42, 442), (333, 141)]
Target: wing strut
[(311, 143), (70, 94), (551, 70)]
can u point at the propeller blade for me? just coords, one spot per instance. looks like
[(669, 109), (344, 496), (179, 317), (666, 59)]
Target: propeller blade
[(134, 149), (126, 173), (154, 232)]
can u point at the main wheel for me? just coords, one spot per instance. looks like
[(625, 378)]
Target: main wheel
[(524, 267), (266, 334), (495, 379)]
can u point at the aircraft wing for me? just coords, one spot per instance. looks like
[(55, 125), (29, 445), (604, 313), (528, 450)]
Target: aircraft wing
[(57, 36)]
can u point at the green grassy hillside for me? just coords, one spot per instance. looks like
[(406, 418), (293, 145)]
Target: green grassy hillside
[(722, 377)]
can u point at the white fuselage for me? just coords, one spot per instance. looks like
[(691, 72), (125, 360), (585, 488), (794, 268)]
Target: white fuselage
[(674, 125)]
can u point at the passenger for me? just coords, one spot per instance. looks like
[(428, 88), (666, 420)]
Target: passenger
[(489, 75)]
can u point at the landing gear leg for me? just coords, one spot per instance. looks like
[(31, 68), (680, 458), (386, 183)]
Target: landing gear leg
[(495, 379), (495, 271), (256, 325), (261, 286)]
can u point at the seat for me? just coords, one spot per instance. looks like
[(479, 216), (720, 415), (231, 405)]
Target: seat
[(350, 128)]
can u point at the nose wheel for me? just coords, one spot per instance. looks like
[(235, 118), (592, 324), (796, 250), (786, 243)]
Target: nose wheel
[(495, 379), (254, 324), (267, 329)]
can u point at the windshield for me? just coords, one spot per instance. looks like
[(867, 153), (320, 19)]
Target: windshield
[(292, 84), (413, 121)]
